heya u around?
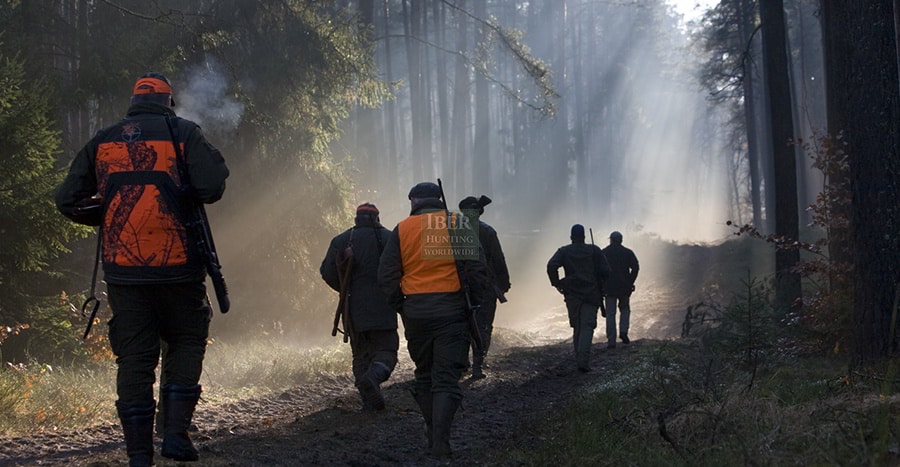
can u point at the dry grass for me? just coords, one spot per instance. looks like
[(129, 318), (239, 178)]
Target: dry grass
[(35, 398), (666, 410)]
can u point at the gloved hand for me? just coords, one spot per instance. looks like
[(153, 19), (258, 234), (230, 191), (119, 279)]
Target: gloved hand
[(560, 290)]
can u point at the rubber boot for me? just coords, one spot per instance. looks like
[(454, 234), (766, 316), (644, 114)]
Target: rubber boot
[(477, 364), (179, 410), (425, 401), (444, 408), (369, 386), (137, 425)]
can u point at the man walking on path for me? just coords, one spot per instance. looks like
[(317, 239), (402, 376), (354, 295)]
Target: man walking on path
[(624, 265), (586, 271), (429, 264), (372, 323), (498, 278), (139, 180)]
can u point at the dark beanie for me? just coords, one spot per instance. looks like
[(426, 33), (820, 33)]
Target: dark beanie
[(367, 208), (577, 232), (616, 236), (425, 190)]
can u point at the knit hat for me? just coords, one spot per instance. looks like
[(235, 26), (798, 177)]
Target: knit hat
[(577, 232), (153, 83), (616, 236), (367, 208), (425, 190)]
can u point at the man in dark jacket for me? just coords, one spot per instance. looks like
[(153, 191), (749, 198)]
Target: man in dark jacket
[(498, 278), (618, 290), (372, 326), (586, 271), (430, 258), (130, 180)]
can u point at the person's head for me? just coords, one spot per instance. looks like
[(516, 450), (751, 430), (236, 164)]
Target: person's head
[(367, 214), (152, 87), (577, 234), (472, 205), (424, 190), (615, 237)]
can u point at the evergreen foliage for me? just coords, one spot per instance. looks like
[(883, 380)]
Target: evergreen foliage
[(33, 234)]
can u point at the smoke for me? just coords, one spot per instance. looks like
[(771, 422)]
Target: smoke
[(204, 99)]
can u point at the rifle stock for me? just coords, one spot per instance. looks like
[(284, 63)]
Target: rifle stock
[(208, 249)]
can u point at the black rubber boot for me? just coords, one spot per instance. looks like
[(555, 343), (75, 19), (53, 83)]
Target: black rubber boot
[(369, 386), (179, 410), (444, 409), (426, 403), (137, 425), (477, 363)]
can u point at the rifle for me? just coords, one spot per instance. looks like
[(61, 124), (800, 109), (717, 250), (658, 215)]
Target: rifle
[(344, 263), (602, 294), (471, 308), (198, 223)]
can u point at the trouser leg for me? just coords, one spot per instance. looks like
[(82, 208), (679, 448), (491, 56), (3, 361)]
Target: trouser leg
[(378, 350), (485, 320), (439, 348), (624, 317), (587, 322), (611, 321)]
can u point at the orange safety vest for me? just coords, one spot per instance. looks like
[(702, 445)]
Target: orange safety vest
[(137, 173), (425, 248)]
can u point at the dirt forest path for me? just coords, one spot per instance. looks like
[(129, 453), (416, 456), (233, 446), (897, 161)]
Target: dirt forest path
[(320, 423)]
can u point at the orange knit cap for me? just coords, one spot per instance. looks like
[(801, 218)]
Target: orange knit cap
[(151, 86)]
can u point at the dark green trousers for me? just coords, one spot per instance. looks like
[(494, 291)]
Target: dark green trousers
[(583, 319), (143, 317), (440, 349), (369, 347)]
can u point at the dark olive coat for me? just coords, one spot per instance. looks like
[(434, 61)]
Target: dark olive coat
[(625, 269), (369, 309)]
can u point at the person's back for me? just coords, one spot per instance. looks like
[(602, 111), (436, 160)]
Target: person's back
[(431, 257), (586, 270), (498, 279), (579, 261), (139, 179), (625, 268), (372, 326)]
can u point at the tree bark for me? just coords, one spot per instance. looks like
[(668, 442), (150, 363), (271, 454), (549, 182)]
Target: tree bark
[(787, 281)]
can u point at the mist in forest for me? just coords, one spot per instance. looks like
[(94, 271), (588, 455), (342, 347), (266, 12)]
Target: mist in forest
[(634, 146)]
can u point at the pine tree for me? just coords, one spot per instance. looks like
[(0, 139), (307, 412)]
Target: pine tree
[(32, 232)]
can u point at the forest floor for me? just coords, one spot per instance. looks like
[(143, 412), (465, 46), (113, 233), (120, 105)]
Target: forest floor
[(322, 424), (531, 376)]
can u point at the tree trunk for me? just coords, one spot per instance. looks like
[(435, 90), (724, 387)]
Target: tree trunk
[(747, 26), (439, 19), (481, 162), (366, 117), (787, 281), (864, 103), (392, 127), (461, 99)]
